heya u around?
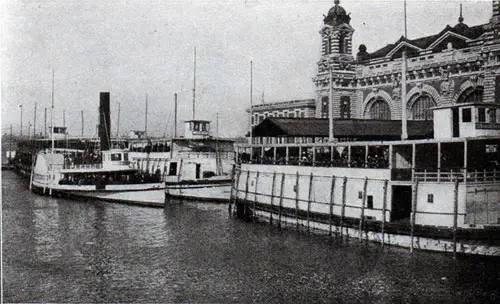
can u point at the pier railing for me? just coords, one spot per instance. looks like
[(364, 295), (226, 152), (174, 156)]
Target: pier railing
[(458, 175)]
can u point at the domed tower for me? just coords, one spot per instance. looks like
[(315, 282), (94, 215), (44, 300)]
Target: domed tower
[(334, 81)]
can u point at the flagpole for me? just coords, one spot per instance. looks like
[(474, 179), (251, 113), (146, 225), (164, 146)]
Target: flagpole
[(251, 101), (52, 115), (194, 84), (330, 108), (404, 122)]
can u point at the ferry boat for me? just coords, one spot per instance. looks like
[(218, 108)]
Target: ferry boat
[(432, 184), (200, 166), (112, 179), (102, 173)]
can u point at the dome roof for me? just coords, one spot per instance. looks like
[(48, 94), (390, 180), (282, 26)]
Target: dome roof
[(337, 15)]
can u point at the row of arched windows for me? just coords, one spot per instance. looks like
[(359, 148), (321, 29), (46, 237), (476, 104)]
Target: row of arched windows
[(419, 106)]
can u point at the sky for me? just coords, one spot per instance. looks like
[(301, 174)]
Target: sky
[(142, 50)]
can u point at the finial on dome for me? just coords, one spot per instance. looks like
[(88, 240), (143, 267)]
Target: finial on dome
[(461, 18), (337, 2)]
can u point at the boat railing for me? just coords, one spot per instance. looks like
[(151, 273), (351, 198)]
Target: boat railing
[(222, 155), (461, 175), (307, 161), (83, 166)]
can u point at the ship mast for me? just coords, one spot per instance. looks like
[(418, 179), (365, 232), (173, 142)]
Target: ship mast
[(194, 84), (251, 102), (404, 123), (52, 115)]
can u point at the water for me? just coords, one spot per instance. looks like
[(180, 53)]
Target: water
[(75, 251)]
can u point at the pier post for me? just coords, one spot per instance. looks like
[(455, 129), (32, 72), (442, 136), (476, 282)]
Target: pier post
[(245, 201), (281, 198), (297, 201), (232, 188), (272, 198), (413, 214), (342, 213), (309, 198), (363, 203), (384, 207), (235, 197), (332, 200), (255, 195), (455, 218)]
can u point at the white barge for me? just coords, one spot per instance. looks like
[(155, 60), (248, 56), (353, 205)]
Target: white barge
[(399, 201)]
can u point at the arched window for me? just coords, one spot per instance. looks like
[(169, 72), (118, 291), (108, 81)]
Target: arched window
[(421, 107), (471, 95), (380, 110), (342, 44)]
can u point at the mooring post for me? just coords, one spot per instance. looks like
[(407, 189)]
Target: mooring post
[(309, 198), (332, 200), (236, 185), (255, 195), (281, 198), (384, 207), (413, 214), (342, 213), (455, 218), (232, 191), (245, 201), (272, 198), (363, 203), (297, 201)]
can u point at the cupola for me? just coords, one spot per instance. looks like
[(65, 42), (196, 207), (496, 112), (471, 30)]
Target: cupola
[(337, 15)]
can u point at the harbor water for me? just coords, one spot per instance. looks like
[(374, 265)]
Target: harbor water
[(62, 250)]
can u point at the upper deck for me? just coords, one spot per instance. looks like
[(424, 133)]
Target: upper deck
[(463, 159)]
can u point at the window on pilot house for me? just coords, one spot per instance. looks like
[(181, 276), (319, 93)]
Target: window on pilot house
[(116, 157), (466, 115), (481, 115), (430, 198), (492, 115)]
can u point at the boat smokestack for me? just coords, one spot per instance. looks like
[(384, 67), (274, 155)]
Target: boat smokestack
[(104, 121)]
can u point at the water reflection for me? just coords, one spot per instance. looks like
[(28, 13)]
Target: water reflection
[(67, 251)]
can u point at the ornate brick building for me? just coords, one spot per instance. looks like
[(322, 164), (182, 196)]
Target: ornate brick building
[(456, 70), (303, 108)]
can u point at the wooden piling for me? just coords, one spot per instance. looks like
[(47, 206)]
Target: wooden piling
[(332, 200), (455, 218), (342, 213), (384, 208), (236, 192), (255, 195), (297, 201), (245, 201), (272, 198), (281, 198), (231, 195), (413, 214), (309, 198), (363, 203)]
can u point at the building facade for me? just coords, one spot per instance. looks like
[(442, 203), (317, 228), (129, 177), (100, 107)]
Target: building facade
[(456, 69), (304, 108)]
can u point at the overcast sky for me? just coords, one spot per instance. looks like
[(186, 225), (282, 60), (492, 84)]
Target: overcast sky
[(137, 48)]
